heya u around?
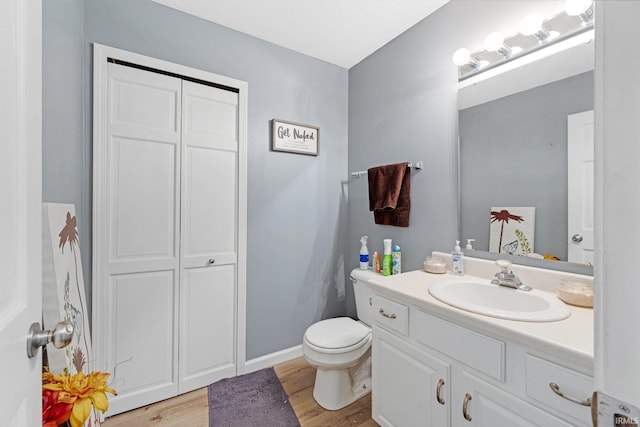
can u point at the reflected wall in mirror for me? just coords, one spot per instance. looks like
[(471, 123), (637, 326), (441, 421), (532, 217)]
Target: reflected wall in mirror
[(513, 147)]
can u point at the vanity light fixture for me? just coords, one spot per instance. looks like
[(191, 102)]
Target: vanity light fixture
[(494, 42), (533, 25), (575, 20), (580, 8), (462, 57)]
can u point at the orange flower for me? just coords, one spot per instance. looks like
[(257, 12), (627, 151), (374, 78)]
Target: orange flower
[(54, 412), (80, 390)]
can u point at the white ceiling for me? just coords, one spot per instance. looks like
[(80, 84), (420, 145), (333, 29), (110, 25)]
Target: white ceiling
[(341, 32)]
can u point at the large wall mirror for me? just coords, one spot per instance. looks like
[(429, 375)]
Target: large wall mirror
[(524, 163)]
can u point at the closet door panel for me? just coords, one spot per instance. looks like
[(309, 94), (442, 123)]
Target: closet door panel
[(142, 344), (207, 326), (144, 104), (210, 117), (138, 222), (209, 216), (143, 182), (208, 235)]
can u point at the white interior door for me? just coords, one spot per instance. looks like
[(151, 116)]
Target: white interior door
[(209, 235), (580, 151), (20, 209)]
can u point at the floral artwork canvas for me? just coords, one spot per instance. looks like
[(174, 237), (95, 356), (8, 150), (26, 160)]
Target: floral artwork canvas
[(512, 230), (63, 292)]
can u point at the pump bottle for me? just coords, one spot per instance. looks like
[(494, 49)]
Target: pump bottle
[(386, 260), (456, 260), (364, 253), (469, 246)]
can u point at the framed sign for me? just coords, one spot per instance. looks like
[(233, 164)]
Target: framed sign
[(294, 138)]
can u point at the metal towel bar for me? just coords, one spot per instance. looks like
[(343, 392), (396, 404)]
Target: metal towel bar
[(416, 165)]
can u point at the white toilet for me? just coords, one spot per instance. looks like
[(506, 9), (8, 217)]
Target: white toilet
[(340, 350)]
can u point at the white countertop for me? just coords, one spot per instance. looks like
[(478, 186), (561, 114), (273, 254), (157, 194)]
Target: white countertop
[(570, 339)]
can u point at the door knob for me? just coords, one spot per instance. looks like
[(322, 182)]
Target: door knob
[(576, 238), (60, 336)]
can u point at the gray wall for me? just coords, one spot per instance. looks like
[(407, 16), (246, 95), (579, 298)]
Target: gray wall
[(296, 204), (64, 152), (402, 107), (513, 152)]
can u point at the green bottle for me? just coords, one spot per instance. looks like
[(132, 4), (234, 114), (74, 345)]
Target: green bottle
[(386, 260)]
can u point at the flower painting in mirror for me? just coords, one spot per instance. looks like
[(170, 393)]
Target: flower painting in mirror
[(512, 230)]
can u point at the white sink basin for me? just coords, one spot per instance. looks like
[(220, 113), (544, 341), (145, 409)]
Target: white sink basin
[(498, 301)]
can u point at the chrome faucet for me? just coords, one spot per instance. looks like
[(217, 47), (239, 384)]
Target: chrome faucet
[(505, 277)]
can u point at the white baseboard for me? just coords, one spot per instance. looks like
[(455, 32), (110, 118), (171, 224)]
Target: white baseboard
[(271, 359)]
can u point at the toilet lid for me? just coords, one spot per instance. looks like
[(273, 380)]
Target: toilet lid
[(339, 332)]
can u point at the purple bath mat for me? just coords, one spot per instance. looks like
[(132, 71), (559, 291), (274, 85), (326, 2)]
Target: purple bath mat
[(252, 400)]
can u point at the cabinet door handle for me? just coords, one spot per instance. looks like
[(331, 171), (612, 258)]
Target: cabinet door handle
[(556, 390), (211, 261), (438, 388), (390, 316), (465, 404)]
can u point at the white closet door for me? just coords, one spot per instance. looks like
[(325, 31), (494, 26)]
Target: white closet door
[(208, 289), (141, 235)]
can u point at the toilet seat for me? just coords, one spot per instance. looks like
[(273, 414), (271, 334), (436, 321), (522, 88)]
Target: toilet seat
[(337, 335)]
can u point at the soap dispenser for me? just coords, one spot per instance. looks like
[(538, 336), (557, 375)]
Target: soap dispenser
[(456, 260), (469, 247), (364, 253)]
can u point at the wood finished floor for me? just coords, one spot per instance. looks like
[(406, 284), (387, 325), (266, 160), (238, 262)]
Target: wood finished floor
[(297, 378)]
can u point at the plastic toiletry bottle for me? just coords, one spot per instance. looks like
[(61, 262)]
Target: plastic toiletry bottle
[(386, 260), (395, 260), (456, 259), (376, 262), (469, 247), (364, 253)]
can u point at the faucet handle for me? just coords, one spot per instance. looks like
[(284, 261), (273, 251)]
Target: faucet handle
[(505, 265)]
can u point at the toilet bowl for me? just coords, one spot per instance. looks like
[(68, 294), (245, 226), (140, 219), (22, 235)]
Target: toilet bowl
[(340, 350)]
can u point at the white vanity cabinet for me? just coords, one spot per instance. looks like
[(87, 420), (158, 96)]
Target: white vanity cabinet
[(429, 371), (410, 387), (479, 403)]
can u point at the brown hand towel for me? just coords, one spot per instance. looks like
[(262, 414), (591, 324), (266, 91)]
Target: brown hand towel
[(390, 194)]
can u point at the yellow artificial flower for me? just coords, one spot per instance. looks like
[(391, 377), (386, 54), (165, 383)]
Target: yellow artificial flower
[(81, 390)]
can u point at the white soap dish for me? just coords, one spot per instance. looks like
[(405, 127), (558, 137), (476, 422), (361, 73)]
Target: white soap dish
[(435, 265), (576, 293)]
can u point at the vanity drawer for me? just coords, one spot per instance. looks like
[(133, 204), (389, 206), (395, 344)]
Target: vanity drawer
[(541, 373), (390, 314), (480, 352)]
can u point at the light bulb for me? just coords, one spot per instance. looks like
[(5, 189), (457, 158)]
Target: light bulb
[(494, 41), (531, 24), (577, 7), (461, 57)]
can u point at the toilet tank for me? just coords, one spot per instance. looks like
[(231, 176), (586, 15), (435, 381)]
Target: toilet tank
[(363, 293)]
